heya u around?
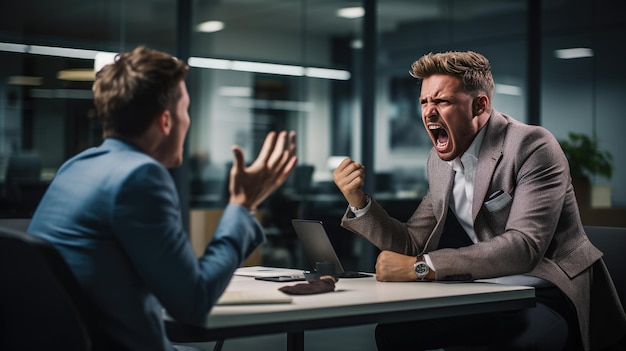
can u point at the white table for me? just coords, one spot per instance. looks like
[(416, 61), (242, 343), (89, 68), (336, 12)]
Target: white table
[(355, 301)]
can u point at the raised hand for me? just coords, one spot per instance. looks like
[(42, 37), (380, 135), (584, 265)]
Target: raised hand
[(249, 186), (350, 177)]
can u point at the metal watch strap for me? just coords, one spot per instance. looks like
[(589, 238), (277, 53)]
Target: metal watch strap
[(421, 269)]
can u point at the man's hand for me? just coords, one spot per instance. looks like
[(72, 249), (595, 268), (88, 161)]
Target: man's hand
[(249, 186), (350, 177), (394, 267)]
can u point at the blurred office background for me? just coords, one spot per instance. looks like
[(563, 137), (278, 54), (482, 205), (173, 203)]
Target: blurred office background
[(335, 71)]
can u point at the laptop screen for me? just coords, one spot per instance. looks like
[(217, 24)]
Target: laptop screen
[(316, 244)]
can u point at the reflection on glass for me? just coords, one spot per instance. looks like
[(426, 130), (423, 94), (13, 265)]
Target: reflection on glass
[(296, 47)]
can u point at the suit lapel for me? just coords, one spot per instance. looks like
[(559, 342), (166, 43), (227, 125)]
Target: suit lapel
[(440, 193), (443, 171), (489, 156)]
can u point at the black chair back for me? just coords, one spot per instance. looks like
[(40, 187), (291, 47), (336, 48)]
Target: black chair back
[(41, 307), (612, 242)]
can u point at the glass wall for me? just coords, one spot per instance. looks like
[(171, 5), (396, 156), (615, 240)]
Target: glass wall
[(261, 65), (272, 65), (583, 87), (47, 52), (496, 29)]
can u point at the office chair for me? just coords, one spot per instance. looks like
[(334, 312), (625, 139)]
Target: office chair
[(612, 242), (41, 306), (180, 334)]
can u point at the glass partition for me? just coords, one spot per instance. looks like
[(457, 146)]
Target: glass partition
[(267, 65), (492, 28), (270, 66), (47, 52), (273, 66), (582, 86)]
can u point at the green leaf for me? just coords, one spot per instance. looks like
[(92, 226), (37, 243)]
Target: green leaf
[(585, 157)]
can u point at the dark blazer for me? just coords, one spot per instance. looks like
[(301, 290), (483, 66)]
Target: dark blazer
[(114, 215), (534, 229)]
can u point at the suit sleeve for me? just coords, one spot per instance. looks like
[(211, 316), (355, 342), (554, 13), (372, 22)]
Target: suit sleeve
[(388, 233), (146, 219)]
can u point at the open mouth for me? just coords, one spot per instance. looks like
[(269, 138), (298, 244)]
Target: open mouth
[(440, 136)]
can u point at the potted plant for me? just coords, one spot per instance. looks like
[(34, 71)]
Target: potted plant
[(586, 160)]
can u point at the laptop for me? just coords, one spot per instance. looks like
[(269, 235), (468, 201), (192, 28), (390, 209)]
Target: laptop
[(318, 248)]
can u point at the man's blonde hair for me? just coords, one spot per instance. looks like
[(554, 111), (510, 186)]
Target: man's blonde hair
[(472, 68)]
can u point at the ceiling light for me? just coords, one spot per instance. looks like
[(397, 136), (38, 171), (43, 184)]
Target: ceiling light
[(356, 44), (61, 52), (25, 80), (507, 89), (210, 26), (48, 50), (11, 47), (203, 62), (271, 68), (351, 12), (573, 53), (77, 74), (102, 59), (235, 91), (326, 73)]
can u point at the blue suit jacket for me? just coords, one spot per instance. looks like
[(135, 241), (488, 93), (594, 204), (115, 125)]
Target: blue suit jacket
[(113, 213)]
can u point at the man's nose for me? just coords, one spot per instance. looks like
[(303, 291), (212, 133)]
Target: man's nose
[(429, 111)]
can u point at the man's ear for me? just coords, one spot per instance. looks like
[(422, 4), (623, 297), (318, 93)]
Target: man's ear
[(165, 122), (479, 105)]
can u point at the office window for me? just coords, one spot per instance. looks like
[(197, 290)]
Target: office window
[(47, 54), (581, 85), (267, 66), (53, 118), (410, 29)]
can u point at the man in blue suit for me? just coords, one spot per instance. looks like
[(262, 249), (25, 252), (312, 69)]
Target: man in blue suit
[(114, 214)]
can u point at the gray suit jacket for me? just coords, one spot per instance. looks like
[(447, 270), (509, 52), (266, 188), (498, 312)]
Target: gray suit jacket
[(535, 229)]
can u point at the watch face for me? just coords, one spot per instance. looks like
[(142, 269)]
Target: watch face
[(421, 269)]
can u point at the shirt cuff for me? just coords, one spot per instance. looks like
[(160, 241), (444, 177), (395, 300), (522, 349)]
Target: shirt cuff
[(360, 212), (429, 262)]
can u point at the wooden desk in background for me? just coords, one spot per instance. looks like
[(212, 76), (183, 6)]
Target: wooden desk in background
[(202, 224)]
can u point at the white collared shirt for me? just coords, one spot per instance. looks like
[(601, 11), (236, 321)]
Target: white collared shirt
[(463, 191)]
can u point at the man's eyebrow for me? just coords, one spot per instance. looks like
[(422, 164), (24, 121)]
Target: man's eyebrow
[(435, 98)]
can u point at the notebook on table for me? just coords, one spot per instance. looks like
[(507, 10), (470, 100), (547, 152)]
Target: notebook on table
[(318, 248), (264, 272), (248, 297)]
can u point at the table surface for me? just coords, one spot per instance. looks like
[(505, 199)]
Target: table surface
[(355, 301)]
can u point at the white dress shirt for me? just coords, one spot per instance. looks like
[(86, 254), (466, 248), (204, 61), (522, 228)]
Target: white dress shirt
[(463, 191)]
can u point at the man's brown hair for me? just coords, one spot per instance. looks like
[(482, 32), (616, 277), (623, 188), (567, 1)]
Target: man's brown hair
[(136, 88)]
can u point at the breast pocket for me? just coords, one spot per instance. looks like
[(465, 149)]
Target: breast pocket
[(498, 206), (497, 201)]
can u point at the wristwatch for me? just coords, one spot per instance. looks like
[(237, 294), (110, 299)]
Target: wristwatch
[(421, 268)]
